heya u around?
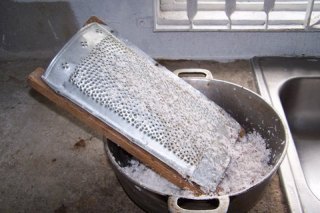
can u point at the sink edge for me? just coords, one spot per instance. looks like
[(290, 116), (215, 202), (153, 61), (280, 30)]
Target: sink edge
[(298, 194)]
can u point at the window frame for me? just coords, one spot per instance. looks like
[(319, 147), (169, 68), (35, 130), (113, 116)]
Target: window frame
[(171, 15)]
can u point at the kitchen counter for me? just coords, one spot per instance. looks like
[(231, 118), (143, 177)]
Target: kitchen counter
[(50, 162)]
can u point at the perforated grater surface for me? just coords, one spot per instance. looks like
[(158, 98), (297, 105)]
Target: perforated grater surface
[(145, 102)]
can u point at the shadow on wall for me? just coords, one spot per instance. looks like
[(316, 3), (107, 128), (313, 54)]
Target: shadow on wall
[(34, 29)]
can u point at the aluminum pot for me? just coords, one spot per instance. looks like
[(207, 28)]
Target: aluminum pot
[(251, 111)]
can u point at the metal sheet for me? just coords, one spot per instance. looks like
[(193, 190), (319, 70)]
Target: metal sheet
[(145, 102)]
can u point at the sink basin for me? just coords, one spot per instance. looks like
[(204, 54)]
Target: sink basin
[(301, 103), (292, 86)]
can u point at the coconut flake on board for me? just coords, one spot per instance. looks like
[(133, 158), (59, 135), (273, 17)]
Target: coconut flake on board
[(248, 165)]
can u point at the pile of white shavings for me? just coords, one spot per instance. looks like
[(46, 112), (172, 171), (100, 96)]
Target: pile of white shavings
[(149, 178), (249, 164)]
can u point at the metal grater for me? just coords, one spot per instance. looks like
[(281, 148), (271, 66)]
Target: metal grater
[(156, 110)]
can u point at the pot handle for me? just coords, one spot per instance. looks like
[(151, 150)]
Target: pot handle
[(194, 72), (175, 208)]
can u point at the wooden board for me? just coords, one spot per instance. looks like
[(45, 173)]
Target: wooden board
[(35, 81)]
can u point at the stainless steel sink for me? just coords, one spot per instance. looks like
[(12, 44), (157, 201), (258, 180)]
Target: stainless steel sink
[(300, 99), (292, 86)]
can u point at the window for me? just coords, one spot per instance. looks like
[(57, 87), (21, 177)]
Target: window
[(206, 15)]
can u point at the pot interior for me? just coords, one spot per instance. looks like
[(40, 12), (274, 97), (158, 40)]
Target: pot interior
[(249, 109)]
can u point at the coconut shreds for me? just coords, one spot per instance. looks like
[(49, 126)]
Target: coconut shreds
[(249, 164)]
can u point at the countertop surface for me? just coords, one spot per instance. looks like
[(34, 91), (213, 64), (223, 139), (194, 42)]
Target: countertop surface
[(50, 162)]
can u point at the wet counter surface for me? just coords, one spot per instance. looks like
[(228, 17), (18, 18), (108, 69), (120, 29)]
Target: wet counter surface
[(50, 162)]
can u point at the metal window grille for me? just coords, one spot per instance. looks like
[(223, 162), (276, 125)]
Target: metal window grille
[(215, 15)]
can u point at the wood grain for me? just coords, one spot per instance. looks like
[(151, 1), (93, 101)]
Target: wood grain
[(35, 81), (94, 19)]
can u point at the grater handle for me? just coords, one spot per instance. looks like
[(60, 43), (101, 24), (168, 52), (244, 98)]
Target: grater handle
[(222, 208), (194, 73)]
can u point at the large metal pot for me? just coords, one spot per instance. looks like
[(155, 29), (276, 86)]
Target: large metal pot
[(252, 112)]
